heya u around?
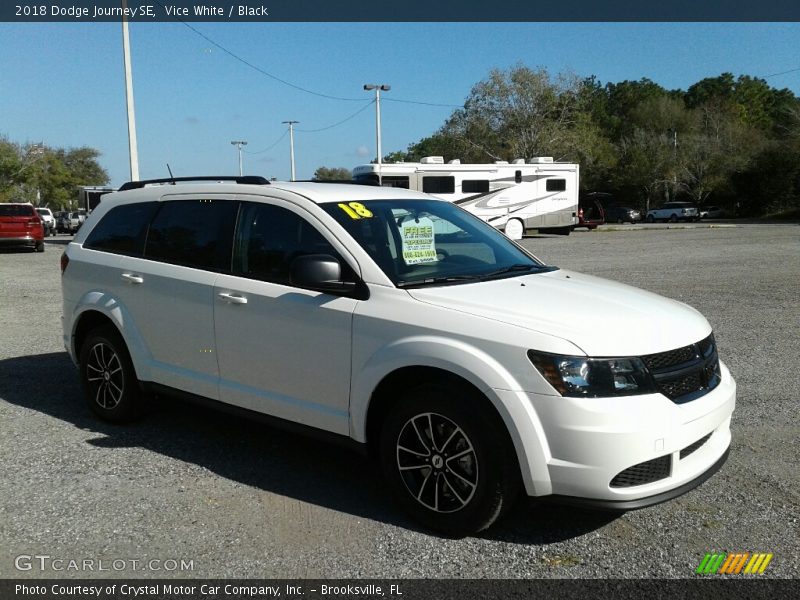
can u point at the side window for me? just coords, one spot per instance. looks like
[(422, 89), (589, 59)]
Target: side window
[(475, 186), (193, 233), (439, 185), (122, 230), (270, 237), (556, 185), (398, 181)]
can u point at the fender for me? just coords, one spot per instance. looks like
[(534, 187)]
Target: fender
[(474, 366), (109, 306)]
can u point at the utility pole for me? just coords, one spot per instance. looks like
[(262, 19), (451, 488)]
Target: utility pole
[(378, 88), (291, 125), (239, 144), (133, 151)]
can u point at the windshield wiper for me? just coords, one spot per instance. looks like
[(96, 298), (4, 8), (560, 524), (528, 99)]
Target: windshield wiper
[(438, 280), (516, 268)]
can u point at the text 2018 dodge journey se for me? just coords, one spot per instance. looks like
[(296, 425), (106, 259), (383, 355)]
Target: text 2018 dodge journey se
[(406, 324)]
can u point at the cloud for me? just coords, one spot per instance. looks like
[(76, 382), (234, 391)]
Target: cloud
[(363, 151), (266, 160), (192, 120)]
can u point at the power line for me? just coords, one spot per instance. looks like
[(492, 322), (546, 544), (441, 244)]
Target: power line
[(283, 135), (423, 103), (288, 83), (782, 73), (259, 69), (355, 114)]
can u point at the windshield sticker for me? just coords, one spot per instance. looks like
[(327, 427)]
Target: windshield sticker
[(356, 210), (418, 241)]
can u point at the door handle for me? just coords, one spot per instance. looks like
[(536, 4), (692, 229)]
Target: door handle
[(131, 278), (231, 299)]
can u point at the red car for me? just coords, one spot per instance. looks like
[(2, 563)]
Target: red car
[(20, 225), (590, 211)]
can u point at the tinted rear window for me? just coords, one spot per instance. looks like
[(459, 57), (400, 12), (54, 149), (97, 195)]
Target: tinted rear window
[(16, 210), (193, 233), (122, 230)]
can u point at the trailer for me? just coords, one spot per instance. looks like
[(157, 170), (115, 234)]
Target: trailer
[(89, 197), (515, 197)]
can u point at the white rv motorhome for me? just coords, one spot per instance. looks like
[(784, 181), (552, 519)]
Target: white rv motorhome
[(514, 197)]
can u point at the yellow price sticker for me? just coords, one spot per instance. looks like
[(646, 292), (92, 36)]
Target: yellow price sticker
[(356, 210)]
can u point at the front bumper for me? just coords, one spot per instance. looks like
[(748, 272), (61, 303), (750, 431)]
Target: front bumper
[(599, 451), (624, 505)]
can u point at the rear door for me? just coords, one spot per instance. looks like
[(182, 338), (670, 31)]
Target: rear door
[(169, 291)]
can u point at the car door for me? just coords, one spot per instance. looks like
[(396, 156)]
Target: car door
[(170, 290), (282, 350)]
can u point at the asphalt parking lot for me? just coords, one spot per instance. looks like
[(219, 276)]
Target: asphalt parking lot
[(239, 499)]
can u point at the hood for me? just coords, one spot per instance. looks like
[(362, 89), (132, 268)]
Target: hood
[(602, 317)]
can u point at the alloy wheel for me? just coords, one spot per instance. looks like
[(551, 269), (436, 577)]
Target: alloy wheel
[(105, 376), (437, 462)]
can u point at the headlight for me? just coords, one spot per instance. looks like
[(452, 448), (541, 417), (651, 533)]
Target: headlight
[(582, 377)]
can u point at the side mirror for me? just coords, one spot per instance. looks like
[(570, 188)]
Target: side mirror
[(320, 272)]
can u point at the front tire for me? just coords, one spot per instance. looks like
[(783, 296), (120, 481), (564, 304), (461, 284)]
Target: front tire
[(108, 378), (448, 459)]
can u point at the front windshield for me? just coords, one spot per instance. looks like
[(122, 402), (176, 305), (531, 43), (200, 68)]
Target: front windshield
[(429, 242)]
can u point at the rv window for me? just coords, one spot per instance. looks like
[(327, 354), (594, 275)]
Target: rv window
[(556, 185), (473, 186), (439, 185), (367, 178), (397, 181)]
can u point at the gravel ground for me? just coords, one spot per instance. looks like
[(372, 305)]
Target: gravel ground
[(244, 500)]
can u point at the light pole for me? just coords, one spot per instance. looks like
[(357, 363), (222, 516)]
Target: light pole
[(291, 125), (674, 134), (133, 151), (239, 144), (378, 88)]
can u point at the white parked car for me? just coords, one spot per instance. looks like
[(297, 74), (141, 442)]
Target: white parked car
[(406, 325), (712, 212), (48, 220), (674, 211)]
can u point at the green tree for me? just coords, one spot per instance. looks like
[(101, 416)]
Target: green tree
[(47, 176), (333, 174)]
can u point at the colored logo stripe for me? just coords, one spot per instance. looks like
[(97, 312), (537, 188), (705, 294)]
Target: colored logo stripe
[(732, 564)]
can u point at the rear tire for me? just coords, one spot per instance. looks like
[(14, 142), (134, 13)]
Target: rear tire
[(651, 219), (108, 378), (448, 459), (39, 246)]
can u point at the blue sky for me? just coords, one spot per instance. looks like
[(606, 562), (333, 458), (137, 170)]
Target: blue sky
[(63, 83)]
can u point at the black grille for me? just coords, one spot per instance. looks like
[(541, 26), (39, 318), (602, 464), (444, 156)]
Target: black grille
[(686, 373), (696, 446), (646, 472), (664, 360), (675, 388)]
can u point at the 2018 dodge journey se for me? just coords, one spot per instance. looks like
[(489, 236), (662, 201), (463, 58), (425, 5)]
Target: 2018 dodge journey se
[(405, 324)]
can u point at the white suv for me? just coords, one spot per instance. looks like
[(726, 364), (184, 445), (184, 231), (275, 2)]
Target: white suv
[(405, 324), (673, 212)]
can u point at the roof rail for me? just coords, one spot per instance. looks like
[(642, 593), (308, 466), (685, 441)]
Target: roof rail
[(342, 181), (242, 179)]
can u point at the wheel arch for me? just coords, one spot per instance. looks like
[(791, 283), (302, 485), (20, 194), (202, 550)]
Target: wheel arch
[(97, 309), (378, 388)]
